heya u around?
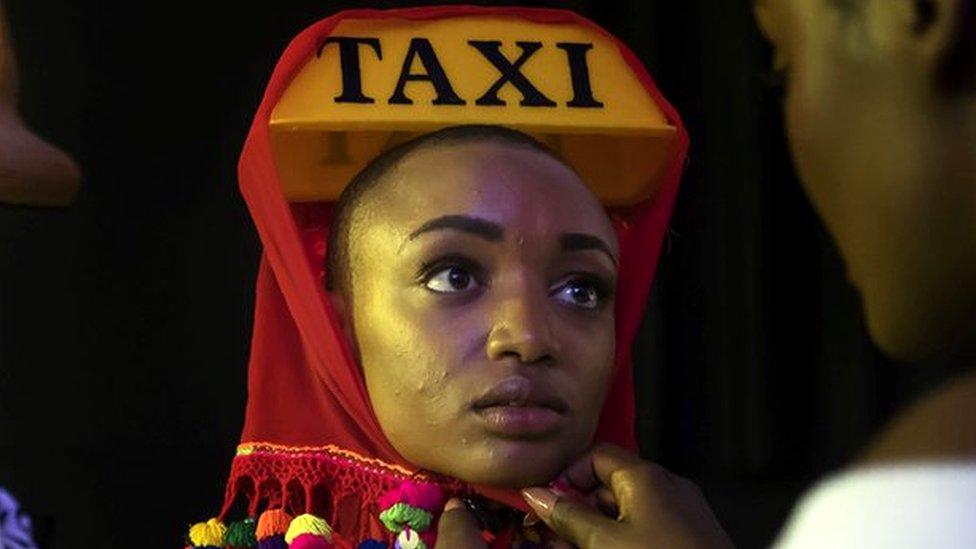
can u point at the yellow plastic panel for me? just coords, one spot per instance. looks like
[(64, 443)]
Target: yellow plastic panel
[(593, 112)]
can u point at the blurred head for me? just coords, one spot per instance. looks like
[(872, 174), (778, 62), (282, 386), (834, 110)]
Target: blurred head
[(476, 274), (881, 117)]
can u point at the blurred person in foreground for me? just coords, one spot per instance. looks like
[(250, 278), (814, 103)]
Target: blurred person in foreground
[(881, 119)]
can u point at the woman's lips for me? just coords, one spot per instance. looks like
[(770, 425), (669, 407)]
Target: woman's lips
[(520, 421), (517, 407)]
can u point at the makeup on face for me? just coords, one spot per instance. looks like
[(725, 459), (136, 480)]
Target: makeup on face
[(483, 312)]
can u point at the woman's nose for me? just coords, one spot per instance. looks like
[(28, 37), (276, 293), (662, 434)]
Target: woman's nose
[(522, 329)]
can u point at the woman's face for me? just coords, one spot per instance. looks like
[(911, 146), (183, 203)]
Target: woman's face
[(865, 116), (482, 278)]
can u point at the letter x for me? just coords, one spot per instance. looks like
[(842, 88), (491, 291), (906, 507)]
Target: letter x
[(510, 73)]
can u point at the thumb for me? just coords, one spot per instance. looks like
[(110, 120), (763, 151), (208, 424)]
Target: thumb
[(458, 529), (571, 520)]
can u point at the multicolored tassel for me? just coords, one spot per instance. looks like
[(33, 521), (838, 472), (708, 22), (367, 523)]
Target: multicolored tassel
[(408, 539), (272, 522), (208, 534), (409, 511), (242, 534), (271, 528), (309, 532), (310, 541), (273, 542)]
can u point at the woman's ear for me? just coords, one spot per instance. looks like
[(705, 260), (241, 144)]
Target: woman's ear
[(935, 37), (939, 25), (931, 28), (343, 312)]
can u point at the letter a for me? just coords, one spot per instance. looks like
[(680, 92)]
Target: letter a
[(421, 48)]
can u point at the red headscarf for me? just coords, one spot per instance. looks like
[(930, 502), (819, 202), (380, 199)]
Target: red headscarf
[(311, 441)]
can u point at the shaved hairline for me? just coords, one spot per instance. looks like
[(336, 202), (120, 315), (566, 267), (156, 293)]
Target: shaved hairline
[(337, 268)]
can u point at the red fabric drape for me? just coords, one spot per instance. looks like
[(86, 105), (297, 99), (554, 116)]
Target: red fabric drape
[(304, 387)]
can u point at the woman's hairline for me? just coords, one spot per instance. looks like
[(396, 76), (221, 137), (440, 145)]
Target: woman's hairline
[(337, 249)]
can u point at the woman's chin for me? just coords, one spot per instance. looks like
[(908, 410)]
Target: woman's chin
[(510, 464)]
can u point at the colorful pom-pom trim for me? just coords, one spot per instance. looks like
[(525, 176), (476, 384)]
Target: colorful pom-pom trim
[(408, 539), (241, 535), (276, 541), (309, 541), (273, 522), (409, 510), (424, 495), (208, 534), (401, 516), (308, 524)]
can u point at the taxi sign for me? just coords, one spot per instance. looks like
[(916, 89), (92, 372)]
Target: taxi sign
[(376, 82)]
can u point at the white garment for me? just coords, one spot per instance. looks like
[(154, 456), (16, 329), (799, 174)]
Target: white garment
[(924, 504)]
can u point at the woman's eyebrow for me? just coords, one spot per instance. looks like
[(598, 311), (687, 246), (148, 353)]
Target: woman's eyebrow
[(483, 228), (571, 242), (493, 232)]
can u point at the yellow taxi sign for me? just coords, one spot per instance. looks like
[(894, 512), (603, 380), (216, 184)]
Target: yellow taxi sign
[(376, 82)]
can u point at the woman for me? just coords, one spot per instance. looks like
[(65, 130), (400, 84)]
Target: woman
[(470, 332)]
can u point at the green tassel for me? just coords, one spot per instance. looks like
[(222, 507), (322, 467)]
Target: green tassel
[(403, 514), (241, 534)]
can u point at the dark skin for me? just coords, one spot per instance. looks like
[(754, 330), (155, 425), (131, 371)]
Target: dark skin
[(460, 282), (884, 151), (898, 191)]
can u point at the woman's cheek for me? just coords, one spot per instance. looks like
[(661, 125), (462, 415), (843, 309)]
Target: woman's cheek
[(591, 350)]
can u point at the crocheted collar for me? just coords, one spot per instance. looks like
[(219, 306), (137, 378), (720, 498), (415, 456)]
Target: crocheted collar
[(328, 496)]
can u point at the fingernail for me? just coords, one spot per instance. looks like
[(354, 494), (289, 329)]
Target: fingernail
[(530, 519), (540, 500), (560, 486), (453, 503)]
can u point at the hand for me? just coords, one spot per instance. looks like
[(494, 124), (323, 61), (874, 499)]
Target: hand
[(458, 529), (637, 504)]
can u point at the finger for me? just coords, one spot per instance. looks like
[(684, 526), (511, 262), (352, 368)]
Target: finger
[(580, 474), (638, 486), (606, 502), (572, 521), (596, 466), (458, 528), (608, 460)]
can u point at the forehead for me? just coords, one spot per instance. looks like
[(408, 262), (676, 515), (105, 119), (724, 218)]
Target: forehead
[(512, 185)]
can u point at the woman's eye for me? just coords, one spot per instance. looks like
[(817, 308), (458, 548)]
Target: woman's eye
[(451, 280), (579, 293)]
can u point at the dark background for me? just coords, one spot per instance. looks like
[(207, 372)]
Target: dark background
[(125, 318)]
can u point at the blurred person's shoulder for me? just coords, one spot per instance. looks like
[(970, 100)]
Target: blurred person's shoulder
[(915, 486), (921, 504), (939, 426)]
